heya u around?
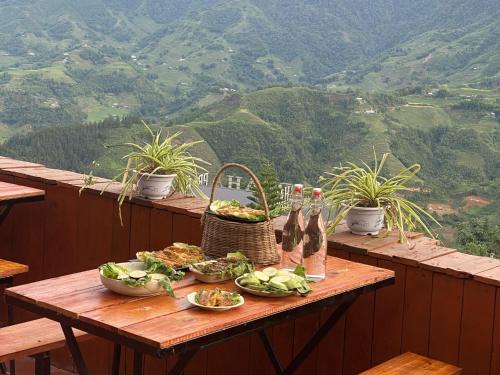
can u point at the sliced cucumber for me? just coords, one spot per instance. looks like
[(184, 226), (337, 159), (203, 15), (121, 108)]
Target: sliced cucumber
[(261, 276), (283, 273), (256, 286), (249, 280), (270, 271), (292, 284), (278, 285), (137, 274), (281, 279)]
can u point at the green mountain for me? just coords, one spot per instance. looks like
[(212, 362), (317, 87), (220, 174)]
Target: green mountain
[(303, 132), (64, 62)]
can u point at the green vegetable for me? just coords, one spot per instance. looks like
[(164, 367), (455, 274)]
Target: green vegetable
[(238, 255), (284, 281), (167, 286), (112, 270), (300, 271), (153, 266)]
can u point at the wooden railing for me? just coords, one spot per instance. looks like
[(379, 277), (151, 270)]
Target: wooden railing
[(444, 304)]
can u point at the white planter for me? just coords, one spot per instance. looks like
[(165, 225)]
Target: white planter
[(365, 220), (155, 186)]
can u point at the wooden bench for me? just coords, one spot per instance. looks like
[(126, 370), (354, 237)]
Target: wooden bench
[(35, 338), (413, 364)]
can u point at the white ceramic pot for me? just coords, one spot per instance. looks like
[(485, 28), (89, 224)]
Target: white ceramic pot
[(365, 220), (154, 186)]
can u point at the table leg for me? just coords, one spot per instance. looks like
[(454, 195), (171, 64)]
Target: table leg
[(4, 211), (42, 364), (311, 344), (278, 367), (138, 358), (8, 282), (117, 353), (74, 349), (183, 362)]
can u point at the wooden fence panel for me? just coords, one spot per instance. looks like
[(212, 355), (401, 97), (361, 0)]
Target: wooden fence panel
[(331, 349), (495, 352), (417, 311), (388, 317), (478, 316), (446, 311), (359, 328)]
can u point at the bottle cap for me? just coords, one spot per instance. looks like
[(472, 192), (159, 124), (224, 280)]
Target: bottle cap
[(297, 188), (316, 192)]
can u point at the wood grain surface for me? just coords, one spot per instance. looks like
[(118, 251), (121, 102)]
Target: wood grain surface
[(411, 363), (9, 193), (161, 321), (8, 268)]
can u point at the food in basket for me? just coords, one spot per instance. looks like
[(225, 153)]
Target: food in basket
[(148, 277), (233, 209), (274, 282), (177, 255), (220, 269), (217, 298)]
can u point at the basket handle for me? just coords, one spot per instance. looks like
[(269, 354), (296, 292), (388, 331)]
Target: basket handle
[(254, 178)]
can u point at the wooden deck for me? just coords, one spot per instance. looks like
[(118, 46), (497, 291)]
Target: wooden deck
[(442, 305)]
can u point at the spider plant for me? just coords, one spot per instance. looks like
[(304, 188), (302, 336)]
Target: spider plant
[(160, 157), (346, 187)]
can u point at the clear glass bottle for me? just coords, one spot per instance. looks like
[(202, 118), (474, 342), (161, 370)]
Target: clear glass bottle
[(315, 244), (293, 230)]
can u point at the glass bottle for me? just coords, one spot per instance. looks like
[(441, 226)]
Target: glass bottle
[(315, 245), (293, 230)]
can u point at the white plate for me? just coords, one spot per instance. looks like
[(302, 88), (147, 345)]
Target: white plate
[(118, 286), (207, 278), (191, 297), (262, 293)]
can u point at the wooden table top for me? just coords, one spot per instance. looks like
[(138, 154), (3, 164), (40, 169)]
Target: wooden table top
[(162, 322), (8, 268), (10, 193)]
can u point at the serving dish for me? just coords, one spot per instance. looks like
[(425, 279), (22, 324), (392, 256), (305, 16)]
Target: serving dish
[(263, 293), (151, 288), (191, 297)]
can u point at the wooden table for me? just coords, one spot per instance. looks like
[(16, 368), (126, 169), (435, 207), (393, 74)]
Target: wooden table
[(162, 325), (11, 194), (8, 270)]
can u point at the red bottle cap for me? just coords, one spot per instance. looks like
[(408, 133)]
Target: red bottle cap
[(316, 192), (297, 188)]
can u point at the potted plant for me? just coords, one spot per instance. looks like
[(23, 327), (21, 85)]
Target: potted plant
[(367, 199), (158, 167)]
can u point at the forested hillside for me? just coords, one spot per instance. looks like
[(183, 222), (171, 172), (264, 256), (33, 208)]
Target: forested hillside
[(64, 62), (305, 131)]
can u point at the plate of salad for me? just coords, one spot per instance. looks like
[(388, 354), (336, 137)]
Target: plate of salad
[(147, 278), (222, 269), (215, 299), (271, 282)]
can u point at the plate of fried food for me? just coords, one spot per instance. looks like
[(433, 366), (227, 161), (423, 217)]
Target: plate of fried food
[(233, 210), (215, 299), (178, 256)]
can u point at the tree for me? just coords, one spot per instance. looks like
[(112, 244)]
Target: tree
[(271, 185), (442, 93), (479, 236)]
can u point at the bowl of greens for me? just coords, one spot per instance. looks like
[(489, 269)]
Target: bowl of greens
[(272, 282), (147, 278)]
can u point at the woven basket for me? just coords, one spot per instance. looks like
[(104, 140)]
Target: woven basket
[(221, 236)]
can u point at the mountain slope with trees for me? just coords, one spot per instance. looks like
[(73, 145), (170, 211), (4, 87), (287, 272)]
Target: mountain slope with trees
[(67, 62)]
